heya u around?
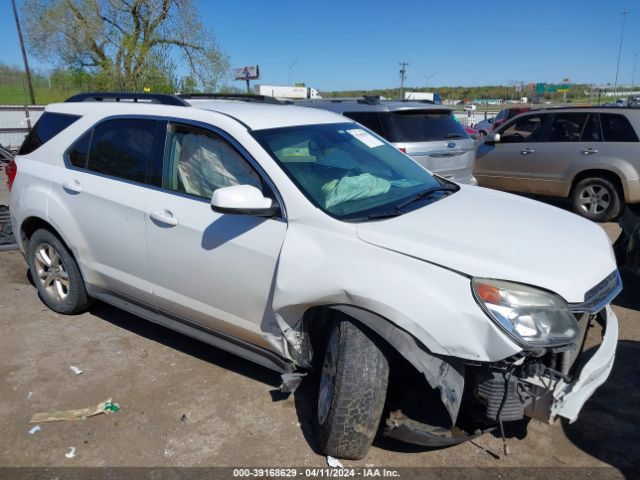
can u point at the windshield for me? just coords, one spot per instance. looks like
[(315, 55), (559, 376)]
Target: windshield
[(347, 171)]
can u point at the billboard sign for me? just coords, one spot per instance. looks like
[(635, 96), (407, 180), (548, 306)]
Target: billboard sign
[(249, 72)]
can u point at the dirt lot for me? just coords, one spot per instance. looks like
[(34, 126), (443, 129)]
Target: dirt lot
[(187, 404)]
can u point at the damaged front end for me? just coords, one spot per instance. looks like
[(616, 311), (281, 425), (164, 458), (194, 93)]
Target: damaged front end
[(541, 384)]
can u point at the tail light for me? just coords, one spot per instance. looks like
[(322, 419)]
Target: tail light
[(11, 170), (402, 149)]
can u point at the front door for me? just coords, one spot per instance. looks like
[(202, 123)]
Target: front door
[(216, 270), (507, 164)]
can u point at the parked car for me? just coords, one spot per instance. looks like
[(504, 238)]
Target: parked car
[(430, 134), (589, 155), (507, 114), (297, 239), (473, 133), (484, 126), (627, 246)]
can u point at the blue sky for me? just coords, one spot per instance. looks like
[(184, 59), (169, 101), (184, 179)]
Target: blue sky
[(338, 45)]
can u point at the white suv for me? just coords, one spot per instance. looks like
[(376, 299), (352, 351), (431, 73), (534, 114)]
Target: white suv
[(298, 239)]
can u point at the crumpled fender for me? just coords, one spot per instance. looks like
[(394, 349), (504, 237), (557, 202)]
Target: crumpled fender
[(423, 310), (321, 266)]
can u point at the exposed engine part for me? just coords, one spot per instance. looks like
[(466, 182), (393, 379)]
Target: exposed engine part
[(490, 391)]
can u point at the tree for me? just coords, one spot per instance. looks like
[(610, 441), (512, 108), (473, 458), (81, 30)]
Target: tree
[(127, 44)]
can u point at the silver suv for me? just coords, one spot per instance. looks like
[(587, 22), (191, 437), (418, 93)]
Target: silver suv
[(429, 133), (589, 155)]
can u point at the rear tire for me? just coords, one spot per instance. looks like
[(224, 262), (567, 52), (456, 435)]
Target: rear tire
[(597, 199), (56, 274), (352, 392)]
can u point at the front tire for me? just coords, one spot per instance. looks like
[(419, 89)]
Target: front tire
[(352, 392), (56, 274), (597, 199)]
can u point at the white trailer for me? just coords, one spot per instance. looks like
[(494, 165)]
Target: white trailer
[(286, 92), (428, 96)]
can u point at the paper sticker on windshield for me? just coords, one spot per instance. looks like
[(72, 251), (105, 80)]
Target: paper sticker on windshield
[(365, 137)]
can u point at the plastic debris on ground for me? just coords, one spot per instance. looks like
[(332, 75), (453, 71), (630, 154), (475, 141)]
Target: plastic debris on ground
[(333, 462), (35, 429), (71, 453), (79, 414), (29, 395), (75, 370)]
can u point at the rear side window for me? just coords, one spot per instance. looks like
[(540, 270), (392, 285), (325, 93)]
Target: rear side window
[(48, 126), (567, 127), (421, 126), (122, 148), (79, 152), (591, 132), (616, 128)]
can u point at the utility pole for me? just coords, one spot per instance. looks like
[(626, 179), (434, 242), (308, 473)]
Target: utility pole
[(633, 75), (615, 84), (403, 76), (24, 53)]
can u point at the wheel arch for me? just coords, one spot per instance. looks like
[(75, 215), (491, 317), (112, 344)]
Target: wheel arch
[(32, 223), (445, 374), (612, 175)]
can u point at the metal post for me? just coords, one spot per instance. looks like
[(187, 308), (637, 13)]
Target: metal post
[(403, 76), (615, 84), (633, 75), (24, 53)]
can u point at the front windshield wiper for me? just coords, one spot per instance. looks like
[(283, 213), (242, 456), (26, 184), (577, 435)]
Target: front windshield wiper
[(376, 216), (426, 193)]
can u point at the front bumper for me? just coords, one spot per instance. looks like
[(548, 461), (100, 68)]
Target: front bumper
[(569, 398), (565, 398)]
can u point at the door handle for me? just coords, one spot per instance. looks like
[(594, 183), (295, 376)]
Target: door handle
[(526, 151), (165, 217), (589, 151), (73, 186)]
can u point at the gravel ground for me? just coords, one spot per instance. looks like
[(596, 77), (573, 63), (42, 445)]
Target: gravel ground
[(187, 404)]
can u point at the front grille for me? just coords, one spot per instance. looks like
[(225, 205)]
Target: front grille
[(600, 295)]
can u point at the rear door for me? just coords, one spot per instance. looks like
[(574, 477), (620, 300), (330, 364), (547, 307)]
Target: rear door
[(103, 190), (573, 143), (507, 164)]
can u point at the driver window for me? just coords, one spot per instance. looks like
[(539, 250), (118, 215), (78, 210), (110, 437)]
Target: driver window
[(526, 129), (198, 162)]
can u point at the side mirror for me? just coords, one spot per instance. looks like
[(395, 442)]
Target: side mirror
[(492, 138), (243, 200)]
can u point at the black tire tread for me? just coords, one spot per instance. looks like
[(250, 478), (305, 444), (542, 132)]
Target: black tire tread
[(359, 395)]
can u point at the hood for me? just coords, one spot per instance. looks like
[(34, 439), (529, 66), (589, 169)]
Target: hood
[(486, 233)]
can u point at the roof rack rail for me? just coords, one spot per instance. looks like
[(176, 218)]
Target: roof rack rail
[(158, 98), (245, 97)]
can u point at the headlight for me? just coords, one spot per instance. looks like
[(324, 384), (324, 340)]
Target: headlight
[(532, 316)]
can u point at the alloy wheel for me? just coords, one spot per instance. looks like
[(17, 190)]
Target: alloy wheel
[(51, 271), (594, 199)]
